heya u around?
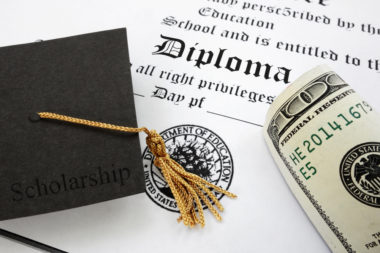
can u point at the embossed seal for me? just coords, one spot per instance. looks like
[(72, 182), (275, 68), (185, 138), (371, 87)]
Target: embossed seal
[(360, 173), (199, 151)]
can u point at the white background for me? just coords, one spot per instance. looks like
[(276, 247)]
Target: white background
[(266, 217)]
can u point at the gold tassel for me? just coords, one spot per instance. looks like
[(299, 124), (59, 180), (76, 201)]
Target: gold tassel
[(188, 189)]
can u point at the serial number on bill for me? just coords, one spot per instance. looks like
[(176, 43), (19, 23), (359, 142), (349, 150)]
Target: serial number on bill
[(324, 134)]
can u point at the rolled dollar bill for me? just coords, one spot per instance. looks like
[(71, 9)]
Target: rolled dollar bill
[(326, 141)]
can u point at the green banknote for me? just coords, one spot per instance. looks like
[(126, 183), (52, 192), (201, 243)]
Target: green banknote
[(325, 139)]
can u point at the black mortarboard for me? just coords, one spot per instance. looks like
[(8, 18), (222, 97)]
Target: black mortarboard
[(51, 165)]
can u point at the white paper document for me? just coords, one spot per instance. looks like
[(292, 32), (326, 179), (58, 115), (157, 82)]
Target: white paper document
[(204, 75)]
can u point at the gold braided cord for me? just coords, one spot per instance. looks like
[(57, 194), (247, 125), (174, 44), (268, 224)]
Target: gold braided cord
[(189, 190), (49, 115)]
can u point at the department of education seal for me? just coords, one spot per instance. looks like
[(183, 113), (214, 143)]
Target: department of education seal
[(360, 173), (198, 150)]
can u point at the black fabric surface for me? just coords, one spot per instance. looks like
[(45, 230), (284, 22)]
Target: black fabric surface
[(49, 165)]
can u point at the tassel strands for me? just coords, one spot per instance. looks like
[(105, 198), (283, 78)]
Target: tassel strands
[(189, 190)]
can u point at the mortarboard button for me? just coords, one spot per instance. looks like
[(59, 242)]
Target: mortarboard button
[(34, 117)]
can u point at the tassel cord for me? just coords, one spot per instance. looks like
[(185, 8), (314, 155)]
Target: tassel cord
[(188, 189)]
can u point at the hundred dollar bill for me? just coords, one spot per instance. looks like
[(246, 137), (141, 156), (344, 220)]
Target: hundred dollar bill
[(326, 141)]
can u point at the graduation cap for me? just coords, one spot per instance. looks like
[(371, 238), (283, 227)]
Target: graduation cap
[(48, 167), (55, 164)]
